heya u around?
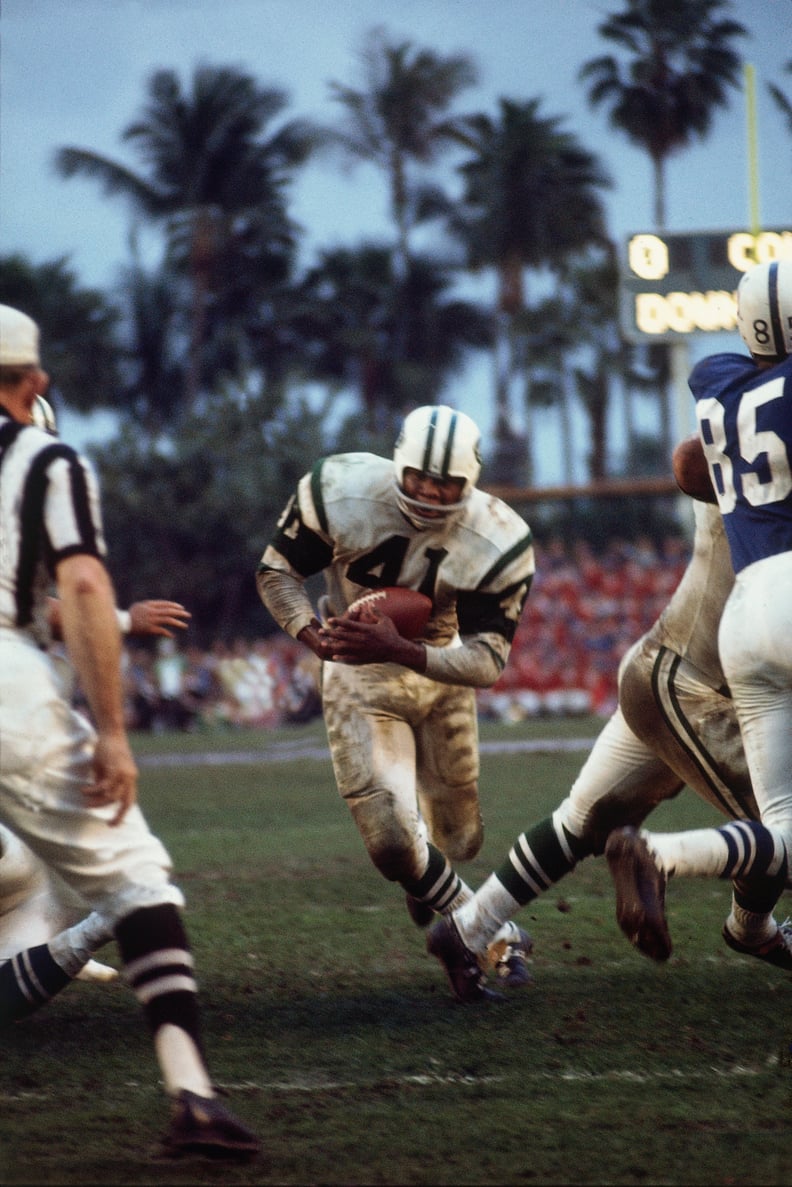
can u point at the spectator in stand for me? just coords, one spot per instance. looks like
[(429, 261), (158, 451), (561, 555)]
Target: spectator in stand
[(140, 688), (173, 710)]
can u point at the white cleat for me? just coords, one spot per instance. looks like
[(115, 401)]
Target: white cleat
[(94, 970)]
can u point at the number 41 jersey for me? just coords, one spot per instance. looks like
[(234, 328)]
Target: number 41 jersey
[(745, 423), (344, 519)]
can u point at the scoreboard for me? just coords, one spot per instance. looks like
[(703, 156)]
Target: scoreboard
[(672, 286)]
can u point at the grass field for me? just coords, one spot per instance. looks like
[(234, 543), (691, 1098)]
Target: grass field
[(335, 1034)]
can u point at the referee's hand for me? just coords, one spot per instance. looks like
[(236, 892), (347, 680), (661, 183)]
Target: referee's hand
[(115, 776)]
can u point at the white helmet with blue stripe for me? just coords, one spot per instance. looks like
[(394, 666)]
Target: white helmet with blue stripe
[(764, 310)]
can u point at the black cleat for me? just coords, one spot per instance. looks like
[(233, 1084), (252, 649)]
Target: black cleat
[(420, 913), (640, 893), (203, 1126), (460, 963), (777, 950)]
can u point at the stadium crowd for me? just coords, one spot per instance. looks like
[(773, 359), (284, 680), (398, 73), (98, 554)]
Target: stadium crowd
[(584, 611)]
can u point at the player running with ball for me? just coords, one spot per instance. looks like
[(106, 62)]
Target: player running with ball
[(401, 714)]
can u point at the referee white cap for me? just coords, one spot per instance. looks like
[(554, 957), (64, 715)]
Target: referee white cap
[(19, 339)]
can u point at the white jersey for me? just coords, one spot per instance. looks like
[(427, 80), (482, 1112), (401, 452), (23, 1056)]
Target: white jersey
[(689, 623), (673, 694), (676, 722), (344, 520)]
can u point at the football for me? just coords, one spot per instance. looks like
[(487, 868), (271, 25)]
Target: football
[(408, 610)]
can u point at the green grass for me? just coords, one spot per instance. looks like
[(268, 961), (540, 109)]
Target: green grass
[(335, 1035)]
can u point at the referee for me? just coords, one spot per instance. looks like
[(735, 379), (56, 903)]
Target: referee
[(68, 787)]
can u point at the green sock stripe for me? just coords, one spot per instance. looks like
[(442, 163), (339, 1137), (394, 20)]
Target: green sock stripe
[(438, 868), (536, 861)]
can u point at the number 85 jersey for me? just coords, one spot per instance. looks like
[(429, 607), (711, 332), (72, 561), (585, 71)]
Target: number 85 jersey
[(744, 414), (344, 520)]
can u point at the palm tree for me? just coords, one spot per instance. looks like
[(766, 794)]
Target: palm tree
[(593, 309), (399, 120), (355, 307), (677, 67), (153, 370), (531, 201), (79, 329), (212, 171)]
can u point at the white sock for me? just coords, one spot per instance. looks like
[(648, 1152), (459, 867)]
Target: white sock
[(749, 927), (699, 853), (180, 1062), (488, 912), (73, 948)]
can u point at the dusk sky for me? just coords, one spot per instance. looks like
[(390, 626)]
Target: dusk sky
[(74, 72)]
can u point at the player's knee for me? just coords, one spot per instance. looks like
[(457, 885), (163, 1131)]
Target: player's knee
[(464, 844), (395, 847), (396, 857), (394, 864)]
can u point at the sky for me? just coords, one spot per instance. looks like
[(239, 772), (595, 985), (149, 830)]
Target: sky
[(74, 72)]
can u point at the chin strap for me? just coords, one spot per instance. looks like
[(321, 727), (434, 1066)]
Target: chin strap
[(414, 510)]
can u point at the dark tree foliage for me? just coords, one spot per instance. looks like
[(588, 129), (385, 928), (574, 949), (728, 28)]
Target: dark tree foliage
[(79, 347), (191, 523)]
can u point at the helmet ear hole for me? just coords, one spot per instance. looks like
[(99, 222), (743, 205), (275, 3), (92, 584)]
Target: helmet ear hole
[(764, 309)]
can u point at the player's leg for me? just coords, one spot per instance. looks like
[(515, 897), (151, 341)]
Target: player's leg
[(693, 727), (753, 854), (447, 770), (44, 942), (758, 664), (620, 781), (124, 873), (372, 746), (36, 973)]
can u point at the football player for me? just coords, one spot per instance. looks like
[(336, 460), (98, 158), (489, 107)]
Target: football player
[(676, 724), (744, 412), (401, 714)]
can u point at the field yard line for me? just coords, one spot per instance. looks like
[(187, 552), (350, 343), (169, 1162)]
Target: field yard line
[(305, 1084), (290, 751), (428, 1079)]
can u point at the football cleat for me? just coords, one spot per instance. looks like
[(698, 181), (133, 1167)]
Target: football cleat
[(201, 1125), (460, 963), (420, 913), (509, 960), (94, 970), (777, 950), (640, 893)]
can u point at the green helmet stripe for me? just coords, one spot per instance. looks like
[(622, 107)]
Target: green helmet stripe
[(427, 457), (449, 444)]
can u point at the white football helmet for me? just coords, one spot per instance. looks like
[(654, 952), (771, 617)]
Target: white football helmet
[(42, 415), (764, 309), (444, 443)]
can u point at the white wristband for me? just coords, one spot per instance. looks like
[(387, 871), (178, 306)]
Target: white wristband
[(124, 621)]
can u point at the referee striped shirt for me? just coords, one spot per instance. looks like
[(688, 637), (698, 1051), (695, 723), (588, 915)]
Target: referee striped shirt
[(49, 510)]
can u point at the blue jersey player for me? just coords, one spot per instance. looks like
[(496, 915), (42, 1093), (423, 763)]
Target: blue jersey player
[(744, 412)]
